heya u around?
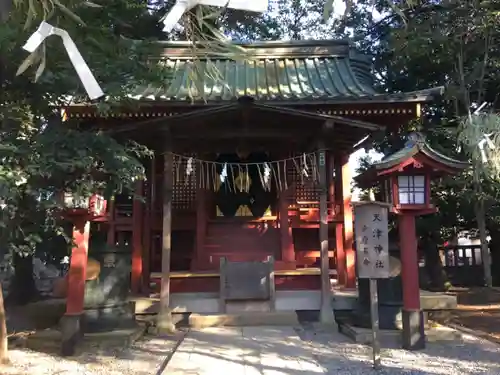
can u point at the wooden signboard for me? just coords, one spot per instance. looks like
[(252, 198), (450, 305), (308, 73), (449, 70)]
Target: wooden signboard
[(372, 246), (372, 241)]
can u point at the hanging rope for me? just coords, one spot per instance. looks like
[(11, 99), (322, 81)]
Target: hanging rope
[(235, 177)]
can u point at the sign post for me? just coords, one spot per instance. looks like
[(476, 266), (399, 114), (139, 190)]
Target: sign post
[(372, 248)]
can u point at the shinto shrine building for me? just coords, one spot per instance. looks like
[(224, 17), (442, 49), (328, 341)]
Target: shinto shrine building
[(242, 161)]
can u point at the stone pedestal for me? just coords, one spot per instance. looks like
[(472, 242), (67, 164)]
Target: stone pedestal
[(390, 303), (71, 333), (109, 317), (106, 305), (414, 334)]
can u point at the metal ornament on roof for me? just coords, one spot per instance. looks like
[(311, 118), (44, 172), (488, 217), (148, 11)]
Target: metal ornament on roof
[(88, 80), (182, 6)]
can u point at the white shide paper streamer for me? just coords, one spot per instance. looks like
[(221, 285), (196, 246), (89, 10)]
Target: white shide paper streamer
[(86, 77), (182, 6)]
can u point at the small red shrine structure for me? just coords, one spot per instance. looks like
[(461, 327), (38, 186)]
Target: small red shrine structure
[(286, 100), (405, 178)]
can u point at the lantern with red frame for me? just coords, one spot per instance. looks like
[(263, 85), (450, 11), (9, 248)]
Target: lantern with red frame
[(93, 206), (406, 175)]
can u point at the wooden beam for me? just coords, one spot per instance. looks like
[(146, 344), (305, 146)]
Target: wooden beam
[(326, 312), (164, 322)]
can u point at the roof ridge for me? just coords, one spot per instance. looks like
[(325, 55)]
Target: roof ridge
[(271, 50)]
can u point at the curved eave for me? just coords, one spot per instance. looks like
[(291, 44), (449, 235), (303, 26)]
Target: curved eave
[(430, 158), (443, 159)]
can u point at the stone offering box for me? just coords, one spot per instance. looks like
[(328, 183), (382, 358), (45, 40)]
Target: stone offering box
[(106, 297), (249, 285)]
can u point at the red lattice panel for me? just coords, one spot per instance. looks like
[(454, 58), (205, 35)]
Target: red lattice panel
[(184, 187), (304, 188)]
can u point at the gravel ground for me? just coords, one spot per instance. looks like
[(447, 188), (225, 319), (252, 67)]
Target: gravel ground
[(469, 356), (263, 350), (144, 357)]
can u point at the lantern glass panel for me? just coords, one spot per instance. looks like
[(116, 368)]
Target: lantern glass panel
[(72, 201), (411, 189)]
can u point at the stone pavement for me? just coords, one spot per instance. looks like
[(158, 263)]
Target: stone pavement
[(306, 351)]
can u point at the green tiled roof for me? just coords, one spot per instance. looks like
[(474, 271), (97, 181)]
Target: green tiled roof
[(306, 70)]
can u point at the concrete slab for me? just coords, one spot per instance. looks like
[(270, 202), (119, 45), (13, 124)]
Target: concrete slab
[(208, 303), (243, 319), (346, 299), (306, 351)]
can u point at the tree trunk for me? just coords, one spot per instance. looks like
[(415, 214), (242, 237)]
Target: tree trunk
[(22, 288), (434, 266), (481, 225), (3, 331), (494, 232)]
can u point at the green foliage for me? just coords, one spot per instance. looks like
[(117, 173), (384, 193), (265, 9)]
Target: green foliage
[(479, 135), (41, 155)]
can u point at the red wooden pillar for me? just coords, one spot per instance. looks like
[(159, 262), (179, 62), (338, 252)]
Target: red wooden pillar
[(286, 237), (78, 266), (70, 323), (350, 258), (137, 217), (146, 240), (199, 260), (413, 319), (339, 225), (330, 167)]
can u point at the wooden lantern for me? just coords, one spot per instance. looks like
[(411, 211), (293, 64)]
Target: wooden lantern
[(406, 175), (93, 206)]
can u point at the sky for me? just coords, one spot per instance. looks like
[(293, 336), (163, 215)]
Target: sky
[(338, 11)]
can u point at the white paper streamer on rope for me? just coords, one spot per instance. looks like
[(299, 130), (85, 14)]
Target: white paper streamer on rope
[(238, 177), (182, 6), (189, 167), (223, 174), (305, 167), (267, 173), (88, 80)]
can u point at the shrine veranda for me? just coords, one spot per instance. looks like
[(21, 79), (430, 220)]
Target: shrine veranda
[(293, 112)]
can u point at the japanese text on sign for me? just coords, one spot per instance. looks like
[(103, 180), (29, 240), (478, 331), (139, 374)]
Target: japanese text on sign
[(372, 241)]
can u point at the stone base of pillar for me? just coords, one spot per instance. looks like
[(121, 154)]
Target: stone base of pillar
[(327, 316), (71, 333), (413, 329), (165, 324)]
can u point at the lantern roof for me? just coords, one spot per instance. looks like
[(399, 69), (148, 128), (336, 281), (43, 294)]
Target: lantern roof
[(416, 153), (415, 145)]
